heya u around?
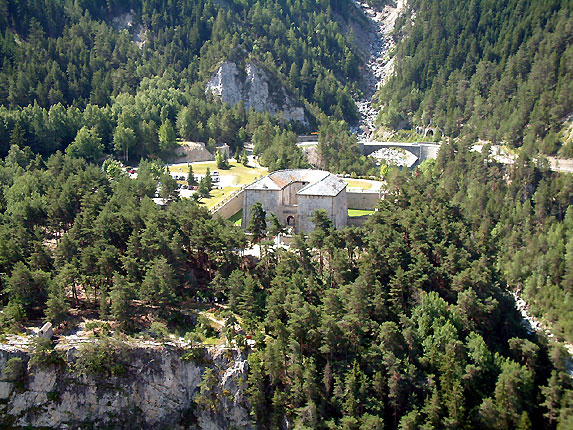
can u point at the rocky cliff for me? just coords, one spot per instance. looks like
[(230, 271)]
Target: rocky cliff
[(159, 388), (257, 88)]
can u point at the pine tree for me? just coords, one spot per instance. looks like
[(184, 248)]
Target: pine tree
[(191, 180), (167, 136), (56, 307), (205, 184), (159, 285), (121, 301), (257, 223), (219, 160)]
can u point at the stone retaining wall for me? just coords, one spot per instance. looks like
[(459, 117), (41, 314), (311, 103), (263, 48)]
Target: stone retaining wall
[(363, 199), (230, 207)]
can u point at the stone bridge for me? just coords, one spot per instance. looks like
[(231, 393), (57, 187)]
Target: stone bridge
[(422, 150)]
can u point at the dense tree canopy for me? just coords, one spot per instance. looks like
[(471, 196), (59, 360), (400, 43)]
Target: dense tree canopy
[(500, 71), (406, 322), (63, 65)]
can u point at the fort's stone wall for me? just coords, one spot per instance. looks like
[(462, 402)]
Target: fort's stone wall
[(295, 195), (340, 209), (336, 207), (357, 220), (230, 207), (270, 200), (363, 199)]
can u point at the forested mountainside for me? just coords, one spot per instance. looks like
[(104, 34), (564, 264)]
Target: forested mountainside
[(500, 71), (405, 322), (402, 323), (124, 68)]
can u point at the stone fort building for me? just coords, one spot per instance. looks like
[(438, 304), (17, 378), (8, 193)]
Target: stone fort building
[(294, 195)]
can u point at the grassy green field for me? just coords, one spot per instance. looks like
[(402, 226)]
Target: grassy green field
[(217, 196), (358, 184), (243, 175), (359, 212), (240, 175), (236, 219)]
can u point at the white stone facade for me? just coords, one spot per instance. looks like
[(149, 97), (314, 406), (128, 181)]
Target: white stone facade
[(294, 196)]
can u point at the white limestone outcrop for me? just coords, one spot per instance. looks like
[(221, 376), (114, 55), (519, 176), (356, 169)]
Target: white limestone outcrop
[(257, 88), (157, 391)]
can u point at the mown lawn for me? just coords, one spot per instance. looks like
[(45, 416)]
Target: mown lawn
[(237, 218), (243, 175), (359, 212), (358, 184), (217, 196)]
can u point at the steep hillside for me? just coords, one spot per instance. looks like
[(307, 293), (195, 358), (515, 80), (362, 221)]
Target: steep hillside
[(80, 57), (501, 71), (404, 322), (145, 385), (257, 89)]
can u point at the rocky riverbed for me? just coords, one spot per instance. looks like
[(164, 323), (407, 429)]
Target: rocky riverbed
[(379, 65), (396, 157), (532, 324)]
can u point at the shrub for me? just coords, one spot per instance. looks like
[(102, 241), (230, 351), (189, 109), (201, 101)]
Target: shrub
[(204, 327), (43, 353), (108, 357), (12, 315), (53, 396), (98, 328), (193, 337), (159, 330), (13, 370), (196, 355)]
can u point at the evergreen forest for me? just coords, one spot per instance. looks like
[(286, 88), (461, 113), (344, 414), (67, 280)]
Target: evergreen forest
[(498, 71), (66, 65), (402, 323), (406, 322)]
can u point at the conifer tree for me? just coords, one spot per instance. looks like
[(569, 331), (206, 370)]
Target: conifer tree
[(257, 223)]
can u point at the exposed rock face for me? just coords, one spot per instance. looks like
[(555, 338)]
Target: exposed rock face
[(379, 64), (157, 391), (257, 89), (397, 157), (192, 152)]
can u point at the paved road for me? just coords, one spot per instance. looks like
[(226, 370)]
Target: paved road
[(561, 164)]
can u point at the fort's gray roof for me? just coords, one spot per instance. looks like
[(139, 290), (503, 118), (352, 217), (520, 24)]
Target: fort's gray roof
[(265, 183), (328, 186), (320, 182)]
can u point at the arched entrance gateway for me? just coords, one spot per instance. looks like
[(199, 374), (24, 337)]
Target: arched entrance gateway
[(290, 221)]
